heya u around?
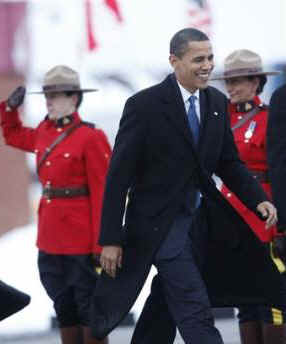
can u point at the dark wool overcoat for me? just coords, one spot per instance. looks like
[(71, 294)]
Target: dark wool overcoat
[(155, 164), (276, 152)]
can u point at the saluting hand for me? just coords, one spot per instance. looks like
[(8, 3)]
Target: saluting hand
[(111, 259), (16, 98), (268, 212)]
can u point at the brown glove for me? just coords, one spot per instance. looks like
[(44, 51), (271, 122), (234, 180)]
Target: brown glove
[(16, 98), (279, 248)]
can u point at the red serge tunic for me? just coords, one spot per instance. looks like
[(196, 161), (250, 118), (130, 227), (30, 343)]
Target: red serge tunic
[(65, 225), (252, 151)]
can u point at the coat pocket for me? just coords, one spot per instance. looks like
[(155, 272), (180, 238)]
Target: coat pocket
[(76, 227), (66, 226)]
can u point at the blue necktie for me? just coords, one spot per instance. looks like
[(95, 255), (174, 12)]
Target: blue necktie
[(193, 197), (193, 120)]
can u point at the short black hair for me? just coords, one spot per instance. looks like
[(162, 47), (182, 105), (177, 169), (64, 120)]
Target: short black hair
[(179, 42), (79, 94), (262, 81)]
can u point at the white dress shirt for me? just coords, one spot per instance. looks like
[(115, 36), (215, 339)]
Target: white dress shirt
[(186, 95)]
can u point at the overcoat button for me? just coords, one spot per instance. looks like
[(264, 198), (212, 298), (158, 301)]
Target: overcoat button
[(36, 151), (156, 229), (48, 163), (66, 155), (49, 201), (59, 129), (228, 194)]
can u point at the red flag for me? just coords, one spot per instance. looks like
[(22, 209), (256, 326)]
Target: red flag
[(92, 43), (113, 5)]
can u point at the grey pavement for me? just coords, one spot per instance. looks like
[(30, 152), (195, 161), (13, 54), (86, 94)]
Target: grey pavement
[(121, 335)]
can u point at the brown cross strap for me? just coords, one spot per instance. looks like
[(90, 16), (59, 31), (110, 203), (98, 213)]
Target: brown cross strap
[(246, 117), (58, 140)]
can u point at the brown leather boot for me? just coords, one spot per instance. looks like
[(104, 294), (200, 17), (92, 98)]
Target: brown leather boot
[(251, 333), (274, 334), (71, 335), (89, 339)]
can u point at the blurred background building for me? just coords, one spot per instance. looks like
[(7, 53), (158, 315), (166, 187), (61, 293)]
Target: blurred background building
[(14, 181), (119, 47)]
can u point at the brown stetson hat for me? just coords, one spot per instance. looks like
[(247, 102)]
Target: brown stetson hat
[(243, 62), (62, 79)]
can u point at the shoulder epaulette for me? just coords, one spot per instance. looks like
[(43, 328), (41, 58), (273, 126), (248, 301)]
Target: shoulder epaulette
[(88, 124)]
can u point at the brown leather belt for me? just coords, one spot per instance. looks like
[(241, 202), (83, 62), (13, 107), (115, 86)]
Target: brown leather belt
[(261, 176), (69, 192)]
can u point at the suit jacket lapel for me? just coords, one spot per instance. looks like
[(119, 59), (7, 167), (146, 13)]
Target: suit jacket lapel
[(174, 107), (203, 115), (209, 121)]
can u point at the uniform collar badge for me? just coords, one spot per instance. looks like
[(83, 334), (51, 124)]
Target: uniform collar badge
[(61, 122), (245, 107)]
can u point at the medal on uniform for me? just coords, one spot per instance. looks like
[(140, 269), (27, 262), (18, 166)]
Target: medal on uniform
[(250, 130)]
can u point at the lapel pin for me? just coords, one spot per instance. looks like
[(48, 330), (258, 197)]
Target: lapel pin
[(215, 113)]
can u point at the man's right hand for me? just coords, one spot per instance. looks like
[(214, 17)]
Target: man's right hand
[(16, 98), (268, 212), (111, 259)]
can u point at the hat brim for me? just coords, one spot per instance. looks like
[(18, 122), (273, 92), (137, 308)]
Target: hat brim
[(236, 75), (84, 90)]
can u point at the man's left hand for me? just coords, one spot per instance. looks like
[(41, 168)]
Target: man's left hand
[(268, 212)]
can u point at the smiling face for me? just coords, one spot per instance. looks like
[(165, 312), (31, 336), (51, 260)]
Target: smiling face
[(241, 89), (194, 67)]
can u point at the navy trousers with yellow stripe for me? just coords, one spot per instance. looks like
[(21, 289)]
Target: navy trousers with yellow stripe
[(269, 315)]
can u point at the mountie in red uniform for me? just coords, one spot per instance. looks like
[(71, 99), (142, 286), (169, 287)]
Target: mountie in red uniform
[(72, 159), (250, 139), (66, 225)]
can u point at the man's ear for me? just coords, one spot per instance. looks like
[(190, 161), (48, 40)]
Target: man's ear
[(173, 60)]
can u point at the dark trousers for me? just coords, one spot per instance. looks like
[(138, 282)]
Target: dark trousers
[(182, 288), (155, 324), (262, 313), (69, 281)]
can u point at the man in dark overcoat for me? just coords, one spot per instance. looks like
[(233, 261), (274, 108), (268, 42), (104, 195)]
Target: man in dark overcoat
[(172, 138), (276, 152)]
